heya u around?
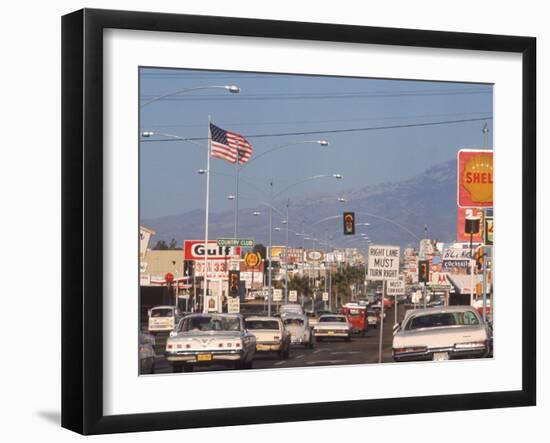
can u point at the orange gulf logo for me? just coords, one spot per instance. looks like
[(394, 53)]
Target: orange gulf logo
[(475, 178)]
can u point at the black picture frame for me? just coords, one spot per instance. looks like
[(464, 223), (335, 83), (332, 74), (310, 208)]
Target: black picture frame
[(82, 218)]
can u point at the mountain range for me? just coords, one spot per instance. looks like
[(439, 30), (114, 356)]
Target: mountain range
[(399, 213)]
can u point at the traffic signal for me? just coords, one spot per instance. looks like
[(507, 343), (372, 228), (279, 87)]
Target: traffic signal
[(423, 271), (233, 282), (479, 258), (349, 223)]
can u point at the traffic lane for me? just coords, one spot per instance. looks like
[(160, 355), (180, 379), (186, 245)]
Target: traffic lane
[(328, 352)]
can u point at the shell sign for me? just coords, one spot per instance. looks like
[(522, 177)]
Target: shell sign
[(475, 178)]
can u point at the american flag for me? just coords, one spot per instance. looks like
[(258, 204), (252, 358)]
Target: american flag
[(229, 146)]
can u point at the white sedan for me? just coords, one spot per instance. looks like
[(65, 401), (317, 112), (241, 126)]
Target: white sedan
[(332, 326)]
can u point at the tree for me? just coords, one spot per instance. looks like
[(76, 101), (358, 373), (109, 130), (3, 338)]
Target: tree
[(258, 247), (162, 246)]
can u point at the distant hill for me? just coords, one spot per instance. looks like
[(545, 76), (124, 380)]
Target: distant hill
[(426, 199)]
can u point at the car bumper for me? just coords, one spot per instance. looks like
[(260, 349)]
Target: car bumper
[(454, 353), (205, 357), (268, 347), (332, 334)]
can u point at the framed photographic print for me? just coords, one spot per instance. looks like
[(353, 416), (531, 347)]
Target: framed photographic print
[(255, 209)]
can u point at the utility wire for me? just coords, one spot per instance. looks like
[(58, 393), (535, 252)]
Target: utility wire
[(339, 131)]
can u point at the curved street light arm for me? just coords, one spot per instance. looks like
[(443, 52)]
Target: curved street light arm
[(276, 148), (313, 177), (230, 88)]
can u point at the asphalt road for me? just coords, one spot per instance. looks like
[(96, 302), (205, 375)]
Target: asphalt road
[(361, 350)]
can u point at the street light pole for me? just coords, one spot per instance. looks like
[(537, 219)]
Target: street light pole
[(269, 278), (286, 253), (207, 204)]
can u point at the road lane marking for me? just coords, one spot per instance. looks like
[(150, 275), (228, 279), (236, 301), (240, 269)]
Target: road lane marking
[(298, 356), (318, 350), (280, 362), (318, 362), (345, 352)]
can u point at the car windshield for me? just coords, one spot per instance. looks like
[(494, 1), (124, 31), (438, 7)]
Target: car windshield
[(355, 312), (332, 319), (371, 313), (164, 312), (293, 321), (443, 319), (262, 324), (210, 323)]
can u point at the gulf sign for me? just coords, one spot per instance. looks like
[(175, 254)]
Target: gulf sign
[(475, 178), (196, 250)]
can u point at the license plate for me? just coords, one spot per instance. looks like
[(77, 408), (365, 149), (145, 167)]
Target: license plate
[(330, 332), (204, 357), (440, 356), (262, 348)]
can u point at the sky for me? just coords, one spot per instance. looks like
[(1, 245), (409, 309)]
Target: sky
[(378, 130)]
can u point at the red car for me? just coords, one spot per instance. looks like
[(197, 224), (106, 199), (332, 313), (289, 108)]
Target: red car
[(357, 318)]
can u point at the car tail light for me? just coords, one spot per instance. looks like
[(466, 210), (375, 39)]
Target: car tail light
[(237, 345), (187, 345), (220, 345), (412, 349), (169, 346), (276, 337)]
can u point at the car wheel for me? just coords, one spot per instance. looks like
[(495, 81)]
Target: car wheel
[(348, 338), (152, 369), (187, 368), (311, 343), (177, 367)]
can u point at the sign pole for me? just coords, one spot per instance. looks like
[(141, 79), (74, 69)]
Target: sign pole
[(485, 285), (395, 309), (381, 322)]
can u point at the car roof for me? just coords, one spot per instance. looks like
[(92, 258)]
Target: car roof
[(293, 314), (163, 307), (435, 310), (210, 314), (332, 315), (261, 318)]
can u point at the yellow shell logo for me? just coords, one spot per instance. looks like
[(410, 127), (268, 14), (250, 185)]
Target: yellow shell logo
[(252, 259), (477, 178)]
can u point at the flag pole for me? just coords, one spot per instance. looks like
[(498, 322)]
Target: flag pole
[(237, 193), (207, 204)]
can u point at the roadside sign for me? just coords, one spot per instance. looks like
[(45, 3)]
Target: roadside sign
[(293, 296), (277, 294), (253, 260), (325, 296), (475, 178), (234, 263), (383, 262), (463, 214), (195, 250), (489, 227), (395, 287), (233, 305), (243, 242)]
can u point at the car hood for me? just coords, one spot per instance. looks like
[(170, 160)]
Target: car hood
[(206, 334)]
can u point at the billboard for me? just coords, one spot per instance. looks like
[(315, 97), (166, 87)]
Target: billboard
[(461, 235), (475, 178), (195, 250)]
